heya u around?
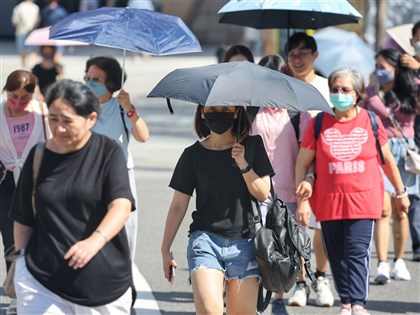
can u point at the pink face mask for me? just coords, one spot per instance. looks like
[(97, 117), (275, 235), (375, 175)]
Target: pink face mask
[(17, 105)]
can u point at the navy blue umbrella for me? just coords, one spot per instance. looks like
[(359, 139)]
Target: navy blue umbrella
[(128, 29)]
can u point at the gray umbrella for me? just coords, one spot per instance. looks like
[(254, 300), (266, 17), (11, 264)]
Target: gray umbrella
[(240, 84)]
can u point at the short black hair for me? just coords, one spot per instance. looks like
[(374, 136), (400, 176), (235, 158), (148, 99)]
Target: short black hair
[(112, 69), (77, 95), (415, 28), (301, 38), (239, 50), (273, 62)]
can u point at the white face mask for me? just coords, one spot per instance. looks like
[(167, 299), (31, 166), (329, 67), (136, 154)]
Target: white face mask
[(417, 48)]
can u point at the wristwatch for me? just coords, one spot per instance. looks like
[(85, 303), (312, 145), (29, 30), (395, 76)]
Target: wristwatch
[(310, 175), (246, 169)]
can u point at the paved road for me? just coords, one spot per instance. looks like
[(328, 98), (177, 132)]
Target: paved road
[(154, 162)]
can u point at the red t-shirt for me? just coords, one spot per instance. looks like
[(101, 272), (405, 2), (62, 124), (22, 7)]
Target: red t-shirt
[(349, 183)]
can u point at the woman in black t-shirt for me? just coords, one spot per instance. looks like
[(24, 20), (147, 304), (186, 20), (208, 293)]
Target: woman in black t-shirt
[(74, 248), (224, 172)]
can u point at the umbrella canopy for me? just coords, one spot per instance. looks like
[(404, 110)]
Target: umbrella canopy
[(40, 37), (303, 14), (129, 29), (401, 34), (338, 48), (240, 84)]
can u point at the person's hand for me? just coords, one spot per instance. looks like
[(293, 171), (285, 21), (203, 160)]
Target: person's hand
[(304, 189), (168, 262), (303, 212), (409, 62), (238, 154), (403, 204), (123, 98), (83, 251)]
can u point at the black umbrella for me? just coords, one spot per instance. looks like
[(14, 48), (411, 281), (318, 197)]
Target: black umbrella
[(240, 84)]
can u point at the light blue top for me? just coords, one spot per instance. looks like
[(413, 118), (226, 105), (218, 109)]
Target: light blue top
[(110, 124)]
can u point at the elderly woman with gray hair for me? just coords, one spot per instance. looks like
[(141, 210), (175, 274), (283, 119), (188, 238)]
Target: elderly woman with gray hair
[(348, 191)]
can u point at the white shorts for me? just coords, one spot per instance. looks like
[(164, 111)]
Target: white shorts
[(33, 298)]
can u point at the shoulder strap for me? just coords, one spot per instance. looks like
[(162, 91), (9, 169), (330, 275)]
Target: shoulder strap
[(295, 119), (39, 153), (41, 107), (125, 126), (375, 127), (263, 302), (318, 124)]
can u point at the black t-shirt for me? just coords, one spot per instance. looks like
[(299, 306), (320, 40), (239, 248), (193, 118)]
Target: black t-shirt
[(45, 77), (222, 198), (72, 195)]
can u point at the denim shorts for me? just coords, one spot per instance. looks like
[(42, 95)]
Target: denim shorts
[(411, 181), (235, 258)]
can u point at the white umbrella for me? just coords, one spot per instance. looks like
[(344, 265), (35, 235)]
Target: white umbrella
[(338, 48), (401, 34)]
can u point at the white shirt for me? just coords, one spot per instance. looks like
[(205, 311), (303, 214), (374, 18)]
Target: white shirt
[(25, 16)]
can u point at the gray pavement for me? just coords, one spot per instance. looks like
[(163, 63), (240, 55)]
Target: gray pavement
[(154, 163)]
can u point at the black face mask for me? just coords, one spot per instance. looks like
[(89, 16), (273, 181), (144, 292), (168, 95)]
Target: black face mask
[(219, 122)]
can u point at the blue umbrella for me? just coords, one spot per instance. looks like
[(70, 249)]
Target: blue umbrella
[(338, 48), (128, 29), (302, 14)]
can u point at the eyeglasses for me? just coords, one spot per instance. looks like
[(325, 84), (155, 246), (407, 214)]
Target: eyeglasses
[(94, 79), (301, 55), (343, 90)]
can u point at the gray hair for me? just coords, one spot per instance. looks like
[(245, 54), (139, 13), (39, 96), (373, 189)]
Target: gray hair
[(355, 76)]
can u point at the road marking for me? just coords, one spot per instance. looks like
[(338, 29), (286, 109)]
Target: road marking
[(145, 303)]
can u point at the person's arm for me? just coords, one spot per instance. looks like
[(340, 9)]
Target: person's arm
[(410, 62), (391, 171), (83, 251), (22, 234), (140, 130), (176, 214), (304, 181), (259, 187)]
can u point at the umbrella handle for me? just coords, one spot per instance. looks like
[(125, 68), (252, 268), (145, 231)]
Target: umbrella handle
[(238, 131), (123, 71)]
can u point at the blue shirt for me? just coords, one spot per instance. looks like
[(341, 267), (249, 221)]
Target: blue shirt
[(110, 123)]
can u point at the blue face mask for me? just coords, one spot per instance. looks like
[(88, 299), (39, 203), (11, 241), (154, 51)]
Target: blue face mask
[(342, 102), (383, 76), (98, 89)]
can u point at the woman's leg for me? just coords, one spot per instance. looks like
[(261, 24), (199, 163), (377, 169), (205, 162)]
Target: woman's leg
[(400, 231), (131, 225), (358, 238), (334, 241), (208, 287), (382, 230), (33, 298), (241, 296)]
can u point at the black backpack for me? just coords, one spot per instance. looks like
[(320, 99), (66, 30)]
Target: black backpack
[(373, 121), (279, 247)]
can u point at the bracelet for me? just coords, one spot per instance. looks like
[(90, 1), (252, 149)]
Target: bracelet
[(132, 111), (246, 169), (103, 235), (402, 195)]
